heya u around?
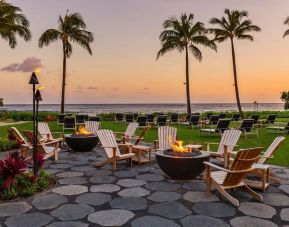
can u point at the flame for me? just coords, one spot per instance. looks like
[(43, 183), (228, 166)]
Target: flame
[(41, 88), (37, 70), (81, 130), (177, 146)]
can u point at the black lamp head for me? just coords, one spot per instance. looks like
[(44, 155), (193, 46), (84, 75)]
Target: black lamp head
[(33, 79), (38, 97)]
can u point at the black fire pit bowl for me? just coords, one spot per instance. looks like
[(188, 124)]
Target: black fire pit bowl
[(81, 143), (182, 168)]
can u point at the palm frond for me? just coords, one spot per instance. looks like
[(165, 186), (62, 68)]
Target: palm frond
[(48, 37), (286, 33), (196, 52)]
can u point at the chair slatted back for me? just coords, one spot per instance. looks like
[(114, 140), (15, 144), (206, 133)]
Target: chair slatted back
[(150, 118), (108, 141), (242, 164), (162, 120), (29, 135), (222, 125), (271, 118), (230, 138), (269, 152), (166, 136), (18, 135), (129, 118), (247, 125), (92, 126), (131, 128), (44, 130), (194, 120), (142, 120), (255, 117)]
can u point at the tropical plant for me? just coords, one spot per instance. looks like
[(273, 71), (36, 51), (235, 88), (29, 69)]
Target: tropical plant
[(285, 98), (13, 23), (71, 29), (234, 25), (184, 34)]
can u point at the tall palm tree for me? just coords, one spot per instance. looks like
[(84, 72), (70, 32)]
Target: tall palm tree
[(184, 34), (234, 26), (13, 23), (71, 29)]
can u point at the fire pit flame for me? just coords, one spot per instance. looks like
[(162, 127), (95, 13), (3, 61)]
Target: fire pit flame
[(81, 130), (178, 146)]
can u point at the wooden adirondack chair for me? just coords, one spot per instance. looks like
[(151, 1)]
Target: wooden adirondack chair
[(130, 130), (267, 155), (45, 133), (234, 177), (25, 146), (92, 126), (228, 141), (112, 148), (48, 149), (166, 136)]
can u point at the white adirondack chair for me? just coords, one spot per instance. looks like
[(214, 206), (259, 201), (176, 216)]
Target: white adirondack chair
[(112, 148), (166, 136), (45, 133), (267, 155), (129, 133), (92, 126), (228, 141)]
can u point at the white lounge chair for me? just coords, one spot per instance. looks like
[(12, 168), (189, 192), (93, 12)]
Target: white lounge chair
[(46, 134), (112, 148), (129, 133), (92, 126), (166, 136)]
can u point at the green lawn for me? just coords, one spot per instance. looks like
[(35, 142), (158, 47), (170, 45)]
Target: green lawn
[(281, 157)]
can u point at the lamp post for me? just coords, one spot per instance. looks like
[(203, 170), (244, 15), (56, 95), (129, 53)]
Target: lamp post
[(38, 98), (33, 80)]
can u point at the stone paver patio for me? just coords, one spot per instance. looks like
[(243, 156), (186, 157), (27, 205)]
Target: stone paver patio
[(140, 196)]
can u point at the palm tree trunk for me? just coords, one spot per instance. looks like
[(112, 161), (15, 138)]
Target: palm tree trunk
[(63, 80), (188, 82), (236, 80)]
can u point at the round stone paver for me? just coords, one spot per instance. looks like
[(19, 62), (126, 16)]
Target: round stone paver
[(251, 221), (196, 197), (98, 172), (257, 210), (70, 212), (14, 208), (68, 224), (70, 190), (83, 168), (48, 201), (284, 215), (125, 173), (28, 220), (150, 177), (70, 174), (129, 203), (285, 188), (162, 186), (105, 188), (218, 210), (164, 196), (60, 166), (94, 199), (73, 180), (169, 210), (142, 168), (202, 220), (133, 192), (131, 183), (195, 186), (102, 179), (153, 221), (275, 199), (115, 217)]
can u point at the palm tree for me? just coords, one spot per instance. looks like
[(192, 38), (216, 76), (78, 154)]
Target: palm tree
[(234, 26), (286, 22), (184, 34), (13, 23), (70, 30)]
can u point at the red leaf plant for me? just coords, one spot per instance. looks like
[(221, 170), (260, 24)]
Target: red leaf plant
[(11, 166)]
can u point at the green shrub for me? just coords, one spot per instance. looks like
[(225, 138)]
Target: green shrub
[(6, 145)]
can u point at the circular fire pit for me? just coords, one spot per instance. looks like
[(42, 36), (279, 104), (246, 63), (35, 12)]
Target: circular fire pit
[(81, 142), (182, 166)]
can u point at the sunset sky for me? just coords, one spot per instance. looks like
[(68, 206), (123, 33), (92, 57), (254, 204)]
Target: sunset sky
[(123, 67)]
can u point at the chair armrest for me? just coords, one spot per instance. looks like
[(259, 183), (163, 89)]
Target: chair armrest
[(211, 143), (215, 166), (125, 145), (50, 142)]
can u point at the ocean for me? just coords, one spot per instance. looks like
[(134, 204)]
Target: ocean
[(144, 108)]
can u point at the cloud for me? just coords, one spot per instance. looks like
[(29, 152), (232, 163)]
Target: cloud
[(28, 65), (92, 88), (146, 88), (115, 89)]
